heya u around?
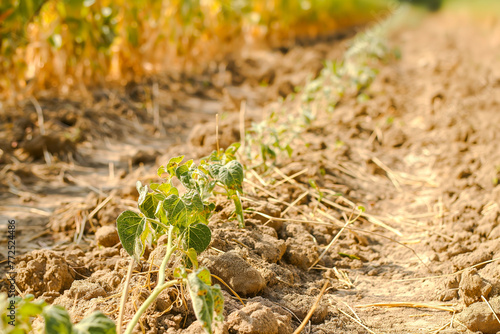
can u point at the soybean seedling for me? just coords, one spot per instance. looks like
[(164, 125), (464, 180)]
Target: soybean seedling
[(57, 319), (183, 217)]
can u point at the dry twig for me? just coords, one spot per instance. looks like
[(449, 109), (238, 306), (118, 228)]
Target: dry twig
[(408, 304), (313, 308), (491, 308)]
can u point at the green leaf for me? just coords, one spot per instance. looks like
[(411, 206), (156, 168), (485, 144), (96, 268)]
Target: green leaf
[(230, 175), (150, 203), (173, 164), (130, 228), (266, 152), (184, 174), (198, 237), (164, 188), (184, 211), (230, 152), (25, 309), (213, 157), (55, 40), (57, 320), (162, 170), (193, 201), (96, 323), (177, 212), (168, 189), (30, 308), (206, 299)]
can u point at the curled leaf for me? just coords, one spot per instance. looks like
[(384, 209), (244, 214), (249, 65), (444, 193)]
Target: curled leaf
[(173, 164), (231, 174), (207, 299)]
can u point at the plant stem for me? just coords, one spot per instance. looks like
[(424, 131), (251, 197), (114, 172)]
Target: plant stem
[(124, 297), (239, 209), (160, 286)]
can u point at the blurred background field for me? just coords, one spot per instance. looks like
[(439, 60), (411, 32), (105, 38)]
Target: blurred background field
[(69, 43)]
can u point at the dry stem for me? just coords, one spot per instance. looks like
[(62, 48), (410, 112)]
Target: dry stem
[(313, 308)]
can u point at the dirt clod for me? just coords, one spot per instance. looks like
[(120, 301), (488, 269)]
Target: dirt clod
[(472, 287), (43, 271), (254, 318), (268, 209), (107, 236), (301, 304), (479, 318), (301, 249), (235, 271), (448, 288)]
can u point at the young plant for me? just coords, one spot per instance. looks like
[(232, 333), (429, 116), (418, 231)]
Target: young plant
[(183, 216), (222, 169), (18, 312), (274, 137)]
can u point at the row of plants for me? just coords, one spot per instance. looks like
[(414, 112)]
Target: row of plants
[(67, 42), (180, 206), (274, 136)]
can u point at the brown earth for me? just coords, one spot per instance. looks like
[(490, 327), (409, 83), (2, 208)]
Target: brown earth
[(421, 155)]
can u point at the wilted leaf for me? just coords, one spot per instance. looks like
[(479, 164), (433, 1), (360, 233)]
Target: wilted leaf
[(238, 209), (204, 298), (218, 303), (192, 257), (204, 275)]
